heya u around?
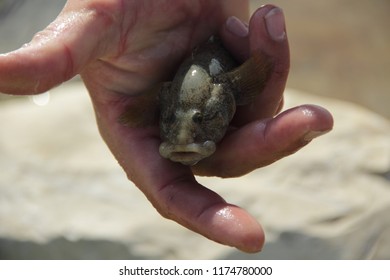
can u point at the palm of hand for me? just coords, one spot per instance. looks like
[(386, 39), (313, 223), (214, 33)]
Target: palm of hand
[(124, 48)]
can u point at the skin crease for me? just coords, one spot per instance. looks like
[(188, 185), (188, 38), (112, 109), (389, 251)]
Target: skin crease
[(122, 49)]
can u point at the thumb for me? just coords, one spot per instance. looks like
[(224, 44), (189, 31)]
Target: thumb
[(54, 55)]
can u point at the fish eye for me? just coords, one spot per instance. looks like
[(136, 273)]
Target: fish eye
[(197, 117)]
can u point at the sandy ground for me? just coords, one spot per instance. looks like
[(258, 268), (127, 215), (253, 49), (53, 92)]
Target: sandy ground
[(340, 49)]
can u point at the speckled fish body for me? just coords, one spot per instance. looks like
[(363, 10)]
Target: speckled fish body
[(198, 105)]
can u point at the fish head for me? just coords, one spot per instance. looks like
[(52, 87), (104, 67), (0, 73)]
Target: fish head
[(195, 115)]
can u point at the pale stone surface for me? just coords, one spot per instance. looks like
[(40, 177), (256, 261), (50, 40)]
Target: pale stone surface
[(62, 194)]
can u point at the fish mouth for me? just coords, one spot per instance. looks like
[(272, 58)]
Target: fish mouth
[(187, 154)]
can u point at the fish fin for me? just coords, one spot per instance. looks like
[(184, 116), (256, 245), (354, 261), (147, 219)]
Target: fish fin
[(143, 111), (249, 79)]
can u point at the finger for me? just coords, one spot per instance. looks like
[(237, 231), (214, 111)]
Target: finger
[(205, 212), (263, 142), (267, 34), (55, 54), (171, 187), (235, 36)]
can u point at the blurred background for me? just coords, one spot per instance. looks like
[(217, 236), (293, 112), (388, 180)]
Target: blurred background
[(62, 195), (338, 48)]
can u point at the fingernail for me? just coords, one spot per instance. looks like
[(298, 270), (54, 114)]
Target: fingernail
[(274, 21), (313, 134), (237, 27)]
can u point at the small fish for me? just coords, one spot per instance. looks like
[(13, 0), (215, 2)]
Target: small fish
[(197, 106)]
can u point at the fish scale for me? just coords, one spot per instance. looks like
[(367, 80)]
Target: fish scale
[(197, 106)]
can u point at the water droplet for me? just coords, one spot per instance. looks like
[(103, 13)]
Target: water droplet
[(41, 99)]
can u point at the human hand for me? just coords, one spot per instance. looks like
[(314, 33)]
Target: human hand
[(122, 49)]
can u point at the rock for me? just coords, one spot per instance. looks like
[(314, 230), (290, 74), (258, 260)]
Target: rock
[(63, 196)]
